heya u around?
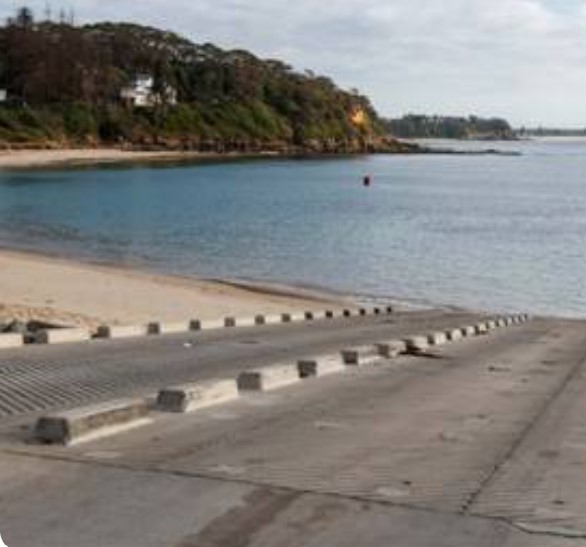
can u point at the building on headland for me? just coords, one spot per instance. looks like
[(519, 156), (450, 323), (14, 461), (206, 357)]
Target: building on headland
[(141, 92), (3, 95)]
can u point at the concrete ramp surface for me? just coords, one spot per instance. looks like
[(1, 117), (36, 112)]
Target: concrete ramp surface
[(478, 442)]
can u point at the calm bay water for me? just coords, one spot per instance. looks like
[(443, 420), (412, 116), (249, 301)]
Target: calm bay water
[(491, 232)]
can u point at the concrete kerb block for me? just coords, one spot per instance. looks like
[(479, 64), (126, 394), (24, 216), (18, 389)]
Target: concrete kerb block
[(481, 328), (491, 324), (437, 338), (268, 378), (196, 396), (416, 344), (11, 340), (122, 331), (272, 319), (469, 330), (453, 335), (391, 349), (364, 355), (92, 422), (62, 336), (168, 328), (320, 366)]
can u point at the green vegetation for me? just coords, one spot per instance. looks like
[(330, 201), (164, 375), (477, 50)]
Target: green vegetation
[(66, 85), (445, 127)]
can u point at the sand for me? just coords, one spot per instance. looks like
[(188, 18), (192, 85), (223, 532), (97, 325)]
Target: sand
[(73, 293), (20, 159)]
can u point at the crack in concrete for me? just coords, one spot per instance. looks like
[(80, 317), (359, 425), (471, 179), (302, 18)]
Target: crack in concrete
[(574, 372)]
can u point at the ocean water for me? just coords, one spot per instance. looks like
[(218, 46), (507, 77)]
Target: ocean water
[(488, 232)]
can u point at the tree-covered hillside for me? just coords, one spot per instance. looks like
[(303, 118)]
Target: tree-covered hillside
[(449, 127), (69, 84)]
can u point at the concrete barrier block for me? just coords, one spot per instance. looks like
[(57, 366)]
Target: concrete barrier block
[(62, 336), (122, 331), (272, 319), (391, 349), (268, 378), (491, 325), (416, 344), (190, 397), (453, 335), (11, 340), (320, 366), (363, 355), (169, 328), (481, 328), (469, 330), (91, 422), (437, 338)]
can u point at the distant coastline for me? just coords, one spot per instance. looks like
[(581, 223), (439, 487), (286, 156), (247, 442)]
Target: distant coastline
[(64, 157)]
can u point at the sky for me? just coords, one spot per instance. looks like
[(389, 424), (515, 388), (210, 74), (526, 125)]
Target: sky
[(524, 60)]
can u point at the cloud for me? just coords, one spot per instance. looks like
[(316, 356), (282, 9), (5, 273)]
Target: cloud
[(524, 59)]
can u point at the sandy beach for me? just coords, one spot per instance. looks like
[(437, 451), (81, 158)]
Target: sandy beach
[(21, 159), (36, 287)]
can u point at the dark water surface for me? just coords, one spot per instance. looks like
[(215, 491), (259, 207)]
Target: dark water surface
[(493, 232)]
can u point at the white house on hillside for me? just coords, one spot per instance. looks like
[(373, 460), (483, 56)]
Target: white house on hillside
[(3, 95), (140, 93)]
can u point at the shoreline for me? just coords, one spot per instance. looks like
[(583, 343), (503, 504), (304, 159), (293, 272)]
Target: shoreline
[(23, 159), (40, 287), (79, 157)]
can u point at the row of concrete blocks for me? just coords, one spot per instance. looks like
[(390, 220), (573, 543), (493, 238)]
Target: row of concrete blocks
[(98, 420), (68, 335), (417, 344)]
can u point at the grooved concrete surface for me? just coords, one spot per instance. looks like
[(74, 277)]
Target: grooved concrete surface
[(479, 443), (34, 379)]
